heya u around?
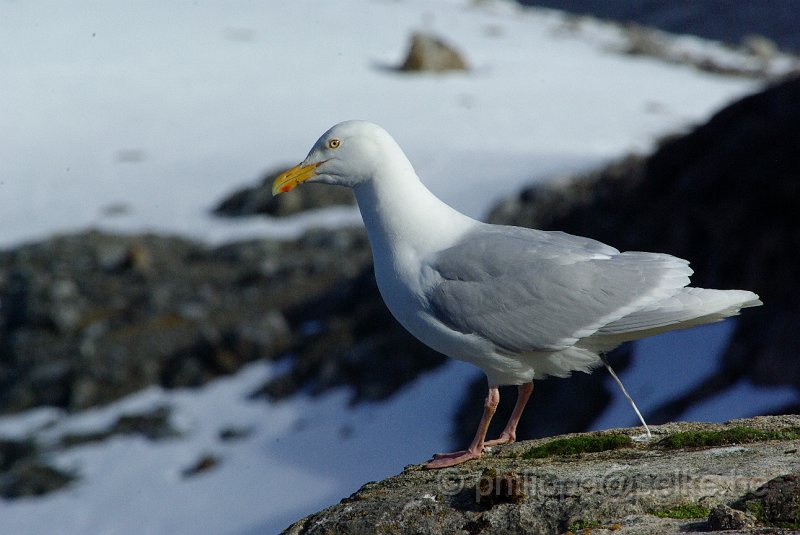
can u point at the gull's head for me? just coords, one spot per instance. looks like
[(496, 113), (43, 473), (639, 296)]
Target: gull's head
[(349, 154)]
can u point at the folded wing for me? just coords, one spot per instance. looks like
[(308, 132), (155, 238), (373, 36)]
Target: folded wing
[(527, 290)]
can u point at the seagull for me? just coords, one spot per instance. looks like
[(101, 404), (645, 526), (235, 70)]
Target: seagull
[(519, 303)]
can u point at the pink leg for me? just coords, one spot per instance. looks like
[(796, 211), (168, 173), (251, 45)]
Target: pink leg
[(476, 447), (509, 434)]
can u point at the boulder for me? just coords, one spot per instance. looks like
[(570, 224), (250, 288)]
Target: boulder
[(431, 53)]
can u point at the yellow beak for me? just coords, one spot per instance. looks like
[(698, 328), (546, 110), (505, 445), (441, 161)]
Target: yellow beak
[(294, 176)]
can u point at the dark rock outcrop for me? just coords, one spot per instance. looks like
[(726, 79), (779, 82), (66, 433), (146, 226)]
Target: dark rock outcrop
[(757, 57), (90, 317), (153, 425), (724, 518), (348, 337), (775, 503), (25, 472), (25, 469), (689, 478)]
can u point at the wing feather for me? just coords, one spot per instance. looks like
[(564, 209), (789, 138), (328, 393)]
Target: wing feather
[(528, 290)]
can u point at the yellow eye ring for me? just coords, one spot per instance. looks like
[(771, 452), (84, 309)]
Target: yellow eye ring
[(334, 143)]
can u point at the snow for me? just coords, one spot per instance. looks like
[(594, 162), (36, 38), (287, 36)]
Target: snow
[(140, 116), (300, 456)]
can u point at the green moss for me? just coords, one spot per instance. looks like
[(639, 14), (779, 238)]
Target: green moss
[(756, 509), (724, 437), (584, 524), (688, 510), (579, 444)]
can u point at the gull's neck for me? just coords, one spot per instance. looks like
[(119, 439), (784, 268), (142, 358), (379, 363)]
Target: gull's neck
[(404, 220)]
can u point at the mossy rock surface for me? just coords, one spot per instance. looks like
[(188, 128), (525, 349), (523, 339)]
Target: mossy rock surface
[(704, 438), (688, 510), (607, 480), (579, 444)]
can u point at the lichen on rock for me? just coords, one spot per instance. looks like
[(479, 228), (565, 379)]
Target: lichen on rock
[(641, 487)]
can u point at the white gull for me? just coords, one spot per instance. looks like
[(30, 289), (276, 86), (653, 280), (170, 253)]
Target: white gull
[(519, 303)]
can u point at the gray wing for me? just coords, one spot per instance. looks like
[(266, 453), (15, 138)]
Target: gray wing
[(530, 290)]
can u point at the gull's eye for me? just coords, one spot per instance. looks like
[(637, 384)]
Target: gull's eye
[(334, 143)]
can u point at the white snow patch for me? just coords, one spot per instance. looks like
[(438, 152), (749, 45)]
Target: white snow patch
[(299, 456), (133, 117)]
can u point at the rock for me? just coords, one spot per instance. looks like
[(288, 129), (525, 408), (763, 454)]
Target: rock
[(494, 488), (153, 425), (33, 479), (347, 336), (204, 464), (760, 46), (259, 200), (12, 451), (90, 317), (724, 518), (775, 503), (758, 57), (24, 472), (430, 53), (638, 488), (645, 41), (233, 433)]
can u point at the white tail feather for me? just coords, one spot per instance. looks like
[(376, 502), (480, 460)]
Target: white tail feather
[(686, 308)]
